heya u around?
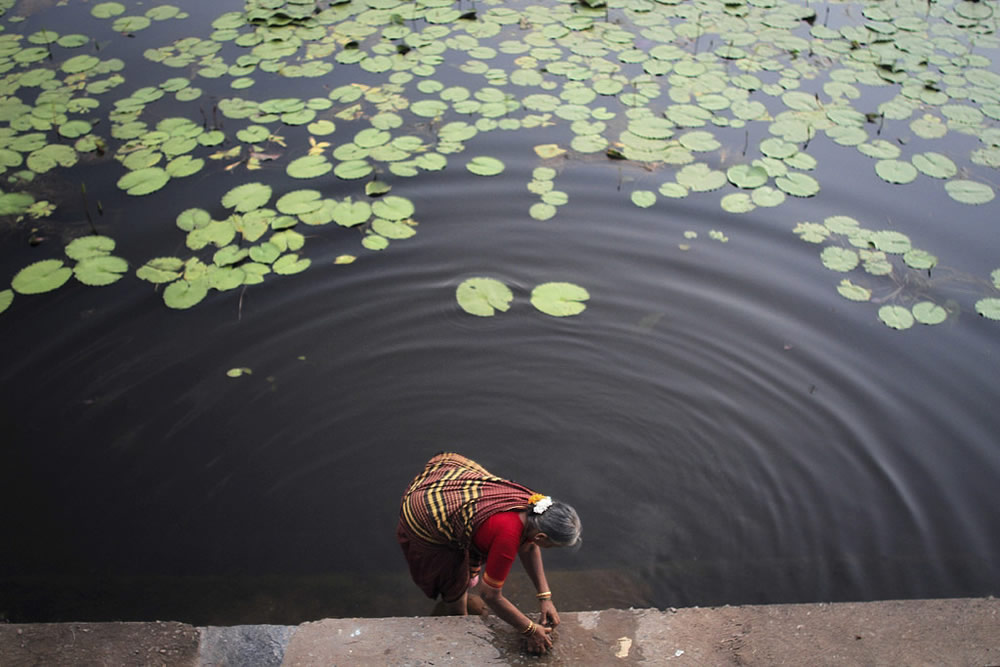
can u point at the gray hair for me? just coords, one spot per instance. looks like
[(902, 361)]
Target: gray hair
[(560, 523)]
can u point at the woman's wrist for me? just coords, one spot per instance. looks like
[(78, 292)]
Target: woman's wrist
[(544, 596)]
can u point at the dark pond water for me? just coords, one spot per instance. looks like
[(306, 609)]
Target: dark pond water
[(730, 428)]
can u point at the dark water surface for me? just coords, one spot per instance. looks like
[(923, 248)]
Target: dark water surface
[(730, 429)]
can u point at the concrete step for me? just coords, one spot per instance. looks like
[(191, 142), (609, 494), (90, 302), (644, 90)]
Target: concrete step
[(906, 632)]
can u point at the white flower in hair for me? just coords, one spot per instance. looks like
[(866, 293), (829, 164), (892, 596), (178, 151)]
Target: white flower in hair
[(542, 504)]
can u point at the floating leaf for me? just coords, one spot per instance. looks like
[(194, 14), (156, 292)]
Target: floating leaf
[(290, 264), (6, 298), (839, 259), (927, 312), (100, 270), (969, 192), (643, 198), (160, 270), (798, 185), (106, 10), (86, 247), (182, 294), (895, 317), (299, 201), (43, 276), (247, 197), (891, 241), (238, 372), (934, 165), (549, 151), (989, 308), (344, 259), (375, 242), (919, 259), (483, 296), (746, 176), (542, 211), (737, 202), (144, 181), (393, 208), (485, 166), (377, 188), (849, 290), (812, 232), (347, 170), (896, 171), (559, 299)]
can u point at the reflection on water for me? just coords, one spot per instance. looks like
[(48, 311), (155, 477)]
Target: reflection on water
[(730, 429)]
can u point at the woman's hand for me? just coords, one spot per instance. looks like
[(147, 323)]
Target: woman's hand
[(539, 641), (550, 617)]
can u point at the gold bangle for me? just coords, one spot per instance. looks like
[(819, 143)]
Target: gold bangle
[(528, 630), (545, 595)]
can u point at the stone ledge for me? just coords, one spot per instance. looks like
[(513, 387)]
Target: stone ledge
[(905, 632)]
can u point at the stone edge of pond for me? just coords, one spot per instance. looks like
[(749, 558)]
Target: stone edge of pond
[(960, 631)]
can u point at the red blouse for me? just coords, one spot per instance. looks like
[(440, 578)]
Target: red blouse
[(499, 538)]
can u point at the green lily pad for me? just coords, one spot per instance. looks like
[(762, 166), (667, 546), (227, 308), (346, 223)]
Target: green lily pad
[(160, 270), (299, 201), (542, 211), (144, 181), (247, 197), (485, 166), (375, 242), (896, 171), (919, 259), (182, 294), (15, 203), (483, 296), (348, 170), (86, 247), (643, 198), (934, 165), (313, 166), (392, 229), (287, 265), (106, 10), (101, 270), (853, 292), (699, 177), (891, 241), (895, 317), (43, 276), (75, 128), (393, 208), (747, 176), (559, 299), (798, 185), (737, 202), (969, 192), (6, 298), (989, 308), (839, 259), (928, 312)]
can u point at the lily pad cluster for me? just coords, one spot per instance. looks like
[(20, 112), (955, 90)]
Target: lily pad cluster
[(484, 297), (707, 99), (893, 271), (94, 265), (255, 240)]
